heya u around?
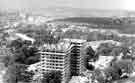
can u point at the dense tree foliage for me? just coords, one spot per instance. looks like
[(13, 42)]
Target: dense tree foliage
[(112, 74), (119, 70), (26, 55), (90, 56), (23, 54), (17, 72), (52, 77), (125, 66), (8, 60), (105, 49)]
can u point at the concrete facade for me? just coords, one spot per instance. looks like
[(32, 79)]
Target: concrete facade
[(65, 58)]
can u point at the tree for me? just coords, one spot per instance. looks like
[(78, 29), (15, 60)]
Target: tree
[(90, 51), (112, 74), (8, 60), (125, 66), (105, 49), (16, 43), (98, 75), (26, 55), (17, 72), (90, 56), (52, 77), (23, 55), (109, 74)]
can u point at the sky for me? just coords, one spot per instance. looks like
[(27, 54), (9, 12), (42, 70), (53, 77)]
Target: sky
[(92, 4)]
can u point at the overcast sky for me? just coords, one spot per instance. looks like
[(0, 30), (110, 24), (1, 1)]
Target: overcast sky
[(96, 4)]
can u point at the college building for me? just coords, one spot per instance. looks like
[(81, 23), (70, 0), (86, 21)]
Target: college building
[(64, 56)]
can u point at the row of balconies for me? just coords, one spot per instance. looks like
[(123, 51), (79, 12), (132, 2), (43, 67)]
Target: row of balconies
[(52, 53), (53, 64), (48, 57)]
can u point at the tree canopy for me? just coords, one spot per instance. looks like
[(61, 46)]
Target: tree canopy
[(52, 77)]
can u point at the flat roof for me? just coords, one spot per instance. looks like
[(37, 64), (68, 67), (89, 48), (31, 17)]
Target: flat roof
[(74, 40), (96, 44), (59, 47)]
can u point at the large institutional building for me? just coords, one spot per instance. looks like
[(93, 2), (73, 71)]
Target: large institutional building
[(64, 56), (76, 58)]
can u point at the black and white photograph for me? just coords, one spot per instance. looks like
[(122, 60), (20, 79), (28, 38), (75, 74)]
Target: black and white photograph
[(67, 41)]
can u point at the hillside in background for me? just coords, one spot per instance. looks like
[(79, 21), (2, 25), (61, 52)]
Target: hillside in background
[(78, 12)]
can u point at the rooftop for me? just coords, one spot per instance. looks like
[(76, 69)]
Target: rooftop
[(24, 37), (96, 44), (59, 47), (74, 40)]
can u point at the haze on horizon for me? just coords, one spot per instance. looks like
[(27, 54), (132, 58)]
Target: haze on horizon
[(92, 4)]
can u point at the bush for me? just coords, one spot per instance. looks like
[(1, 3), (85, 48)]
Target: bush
[(124, 65)]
